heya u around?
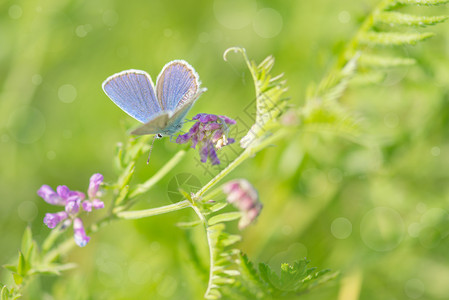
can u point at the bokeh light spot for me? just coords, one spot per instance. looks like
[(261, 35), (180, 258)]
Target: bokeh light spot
[(67, 93), (414, 288), (110, 17), (83, 30), (51, 155), (15, 11), (414, 229), (382, 229), (27, 211), (435, 151), (335, 175), (344, 17), (341, 228), (139, 272), (36, 79), (268, 23)]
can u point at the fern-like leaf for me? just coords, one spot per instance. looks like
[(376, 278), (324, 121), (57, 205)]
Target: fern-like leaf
[(395, 18), (420, 2), (393, 38), (270, 99)]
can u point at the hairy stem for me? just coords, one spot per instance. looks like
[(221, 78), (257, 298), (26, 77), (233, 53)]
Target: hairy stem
[(138, 214)]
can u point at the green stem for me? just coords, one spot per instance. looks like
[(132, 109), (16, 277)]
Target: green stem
[(138, 214), (142, 188), (250, 151)]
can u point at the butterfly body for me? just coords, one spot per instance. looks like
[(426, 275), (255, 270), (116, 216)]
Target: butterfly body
[(161, 109)]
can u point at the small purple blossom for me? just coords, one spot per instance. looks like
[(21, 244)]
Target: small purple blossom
[(210, 133), (244, 196), (74, 203), (81, 239), (52, 220)]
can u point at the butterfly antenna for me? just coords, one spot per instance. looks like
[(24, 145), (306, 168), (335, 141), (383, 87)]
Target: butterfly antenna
[(156, 136)]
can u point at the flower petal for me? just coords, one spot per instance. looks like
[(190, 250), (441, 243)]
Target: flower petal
[(94, 184), (52, 220), (81, 239), (50, 196)]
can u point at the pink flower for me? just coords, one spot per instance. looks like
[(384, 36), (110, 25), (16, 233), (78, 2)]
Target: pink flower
[(244, 196)]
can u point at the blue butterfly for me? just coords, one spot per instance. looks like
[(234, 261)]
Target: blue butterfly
[(162, 110)]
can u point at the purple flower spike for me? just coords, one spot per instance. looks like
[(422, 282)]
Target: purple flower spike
[(94, 184), (81, 239), (52, 220), (50, 196), (243, 195), (209, 133), (75, 203)]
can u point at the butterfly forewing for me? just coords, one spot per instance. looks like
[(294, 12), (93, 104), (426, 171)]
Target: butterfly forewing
[(177, 84), (133, 91)]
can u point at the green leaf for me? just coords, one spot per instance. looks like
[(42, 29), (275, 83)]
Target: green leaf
[(123, 193), (53, 269), (187, 225), (251, 279), (394, 18), (12, 268), (126, 176), (4, 293), (421, 2), (231, 239), (393, 38), (218, 206), (27, 240), (225, 217), (377, 61), (22, 267), (293, 279), (17, 278)]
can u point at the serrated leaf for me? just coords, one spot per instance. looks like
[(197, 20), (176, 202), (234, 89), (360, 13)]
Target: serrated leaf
[(395, 18), (422, 2), (4, 293), (225, 217), (393, 38), (377, 61)]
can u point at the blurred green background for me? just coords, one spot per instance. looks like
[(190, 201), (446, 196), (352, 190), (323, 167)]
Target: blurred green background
[(378, 214)]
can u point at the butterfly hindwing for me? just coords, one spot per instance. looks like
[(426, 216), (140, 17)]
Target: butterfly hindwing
[(133, 92), (177, 84), (155, 125)]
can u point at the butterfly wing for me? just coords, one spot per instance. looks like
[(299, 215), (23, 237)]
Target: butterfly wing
[(133, 92), (177, 84), (155, 125)]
